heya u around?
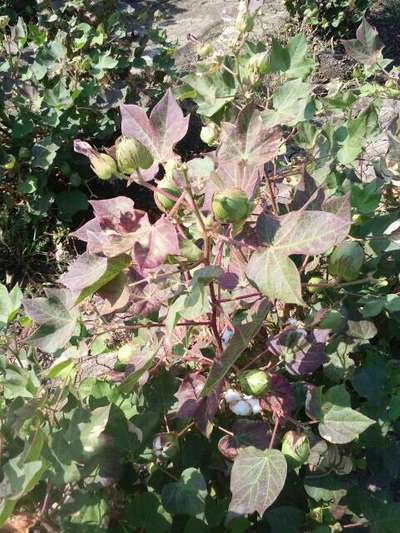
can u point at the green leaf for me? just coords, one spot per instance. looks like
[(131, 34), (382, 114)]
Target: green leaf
[(10, 302), (44, 153), (292, 103), (146, 512), (257, 479), (69, 203), (326, 489), (186, 496), (300, 64), (280, 58), (339, 423), (365, 197), (361, 329), (85, 428), (56, 318), (275, 275), (359, 131), (84, 513), (242, 336), (285, 518)]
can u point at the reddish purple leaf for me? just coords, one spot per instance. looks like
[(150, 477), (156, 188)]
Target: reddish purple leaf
[(280, 400), (159, 241), (191, 405), (302, 351), (189, 395), (249, 141), (84, 271), (159, 133), (115, 294), (246, 433)]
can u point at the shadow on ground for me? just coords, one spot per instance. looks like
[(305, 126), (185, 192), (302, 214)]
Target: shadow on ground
[(385, 16)]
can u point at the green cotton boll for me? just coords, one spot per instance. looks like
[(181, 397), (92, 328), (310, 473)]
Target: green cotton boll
[(255, 382), (103, 166), (230, 206), (346, 260), (295, 448), (164, 203), (132, 155), (209, 134)]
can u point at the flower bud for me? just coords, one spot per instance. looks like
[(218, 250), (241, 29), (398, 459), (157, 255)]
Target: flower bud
[(259, 63), (209, 134), (103, 165), (126, 352), (164, 203), (4, 20), (255, 382), (244, 21), (205, 50), (295, 448), (230, 206), (132, 155), (346, 260), (165, 445)]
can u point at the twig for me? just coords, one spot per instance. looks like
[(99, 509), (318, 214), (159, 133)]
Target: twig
[(274, 433)]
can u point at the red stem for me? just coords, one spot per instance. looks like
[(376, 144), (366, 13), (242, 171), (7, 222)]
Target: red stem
[(274, 432)]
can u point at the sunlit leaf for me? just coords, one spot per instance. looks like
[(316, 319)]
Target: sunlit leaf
[(257, 479)]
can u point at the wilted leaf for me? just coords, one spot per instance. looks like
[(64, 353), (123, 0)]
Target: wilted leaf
[(367, 47), (257, 479), (160, 241)]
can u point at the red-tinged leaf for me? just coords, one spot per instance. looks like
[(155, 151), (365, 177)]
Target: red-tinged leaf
[(116, 227), (303, 351), (309, 232), (191, 405), (159, 241), (206, 410), (232, 174), (280, 400), (242, 336), (115, 294), (159, 133), (188, 395), (84, 148), (339, 206), (248, 141), (170, 124), (275, 275), (84, 271), (245, 433)]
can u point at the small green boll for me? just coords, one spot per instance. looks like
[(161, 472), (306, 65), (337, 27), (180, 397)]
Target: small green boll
[(314, 281), (255, 382), (132, 155), (244, 21), (164, 203), (209, 134), (346, 260), (103, 165), (295, 448), (230, 206), (10, 163)]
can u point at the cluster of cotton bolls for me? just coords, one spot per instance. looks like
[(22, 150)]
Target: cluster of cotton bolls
[(242, 404)]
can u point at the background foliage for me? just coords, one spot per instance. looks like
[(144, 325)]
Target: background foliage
[(230, 365)]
